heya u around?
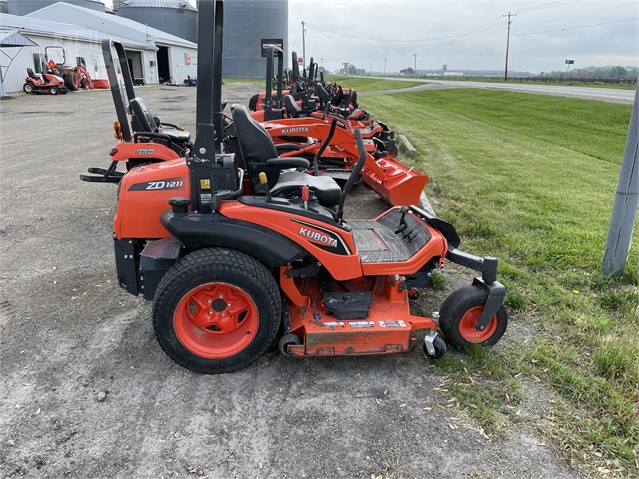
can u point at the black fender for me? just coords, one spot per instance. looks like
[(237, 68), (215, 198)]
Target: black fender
[(207, 230)]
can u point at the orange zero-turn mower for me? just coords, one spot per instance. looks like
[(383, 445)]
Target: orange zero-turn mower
[(229, 272), (142, 137)]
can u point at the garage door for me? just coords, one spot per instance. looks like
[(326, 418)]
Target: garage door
[(135, 63)]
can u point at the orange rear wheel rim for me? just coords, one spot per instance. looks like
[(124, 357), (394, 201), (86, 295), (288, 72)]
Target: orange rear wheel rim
[(216, 320), (467, 326)]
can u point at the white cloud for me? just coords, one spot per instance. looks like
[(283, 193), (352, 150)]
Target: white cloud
[(466, 35)]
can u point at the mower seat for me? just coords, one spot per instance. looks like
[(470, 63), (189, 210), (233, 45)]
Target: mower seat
[(143, 120), (292, 108), (33, 75), (257, 149), (323, 95)]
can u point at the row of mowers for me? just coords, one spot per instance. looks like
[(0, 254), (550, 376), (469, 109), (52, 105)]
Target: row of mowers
[(240, 238), (57, 78)]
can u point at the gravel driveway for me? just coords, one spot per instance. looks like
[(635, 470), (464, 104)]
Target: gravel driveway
[(86, 392)]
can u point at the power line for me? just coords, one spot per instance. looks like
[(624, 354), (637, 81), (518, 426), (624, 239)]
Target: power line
[(575, 28), (392, 40), (546, 5), (552, 20)]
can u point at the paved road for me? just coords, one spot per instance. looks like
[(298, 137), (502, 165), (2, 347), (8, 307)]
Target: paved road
[(602, 94)]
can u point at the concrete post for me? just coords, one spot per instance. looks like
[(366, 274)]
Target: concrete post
[(624, 210)]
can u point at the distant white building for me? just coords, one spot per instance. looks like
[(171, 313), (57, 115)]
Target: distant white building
[(153, 55)]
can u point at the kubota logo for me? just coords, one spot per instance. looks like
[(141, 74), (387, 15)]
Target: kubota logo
[(297, 129), (318, 237)]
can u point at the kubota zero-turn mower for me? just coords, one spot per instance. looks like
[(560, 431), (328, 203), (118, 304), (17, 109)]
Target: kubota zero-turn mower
[(48, 84), (230, 265), (331, 146), (143, 138), (284, 105)]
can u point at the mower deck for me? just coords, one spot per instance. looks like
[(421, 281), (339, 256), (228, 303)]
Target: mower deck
[(375, 320)]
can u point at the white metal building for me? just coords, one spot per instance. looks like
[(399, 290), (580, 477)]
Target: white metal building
[(80, 32), (80, 45), (175, 58)]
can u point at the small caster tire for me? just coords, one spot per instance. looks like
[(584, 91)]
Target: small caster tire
[(287, 340), (440, 348)]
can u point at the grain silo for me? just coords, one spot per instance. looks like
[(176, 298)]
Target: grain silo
[(177, 17), (23, 7), (246, 24)]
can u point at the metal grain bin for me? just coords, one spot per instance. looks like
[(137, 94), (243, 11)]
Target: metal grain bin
[(247, 22), (176, 17), (23, 7)]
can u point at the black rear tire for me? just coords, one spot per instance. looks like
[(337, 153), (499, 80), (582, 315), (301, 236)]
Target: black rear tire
[(71, 81), (217, 266), (459, 314), (27, 88)]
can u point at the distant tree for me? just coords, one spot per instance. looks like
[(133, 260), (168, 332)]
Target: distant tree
[(352, 70), (118, 3), (407, 71), (598, 73)]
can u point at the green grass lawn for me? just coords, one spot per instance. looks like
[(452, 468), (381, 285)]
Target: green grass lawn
[(531, 179), (257, 81)]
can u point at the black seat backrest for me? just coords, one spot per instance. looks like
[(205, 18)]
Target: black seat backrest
[(142, 117), (31, 74), (291, 107), (255, 144), (323, 94)]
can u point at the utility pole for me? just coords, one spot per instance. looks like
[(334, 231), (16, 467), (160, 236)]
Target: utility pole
[(371, 70), (415, 55), (508, 42), (303, 44), (385, 66), (624, 210)]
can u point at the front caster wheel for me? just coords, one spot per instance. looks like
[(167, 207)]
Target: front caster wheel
[(438, 347), (287, 340), (461, 312)]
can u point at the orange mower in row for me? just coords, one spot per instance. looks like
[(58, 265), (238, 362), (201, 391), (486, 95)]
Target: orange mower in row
[(233, 267)]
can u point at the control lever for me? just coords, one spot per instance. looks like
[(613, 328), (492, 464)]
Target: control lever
[(305, 196), (264, 181)]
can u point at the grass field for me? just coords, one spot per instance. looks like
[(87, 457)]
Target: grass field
[(531, 179)]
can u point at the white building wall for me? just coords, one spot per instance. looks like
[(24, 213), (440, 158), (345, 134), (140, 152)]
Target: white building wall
[(17, 72), (178, 62), (92, 53)]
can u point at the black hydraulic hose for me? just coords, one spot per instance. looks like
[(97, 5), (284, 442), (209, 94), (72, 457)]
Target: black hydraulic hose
[(323, 147), (353, 176)]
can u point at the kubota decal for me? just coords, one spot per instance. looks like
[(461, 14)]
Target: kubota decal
[(297, 129), (318, 237), (168, 184), (322, 237)]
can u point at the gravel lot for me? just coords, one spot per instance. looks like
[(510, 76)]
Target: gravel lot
[(85, 390)]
